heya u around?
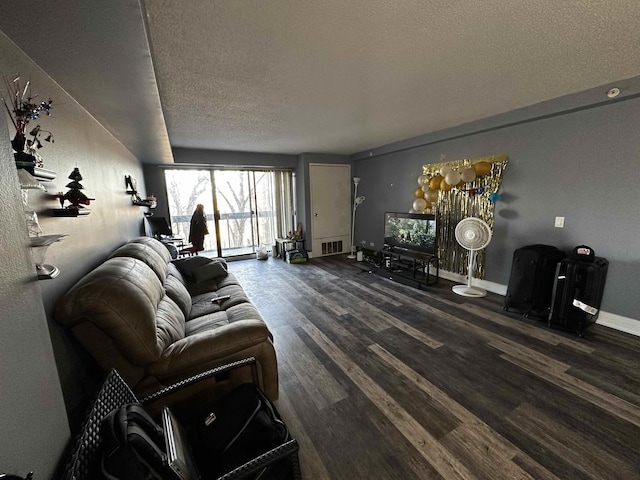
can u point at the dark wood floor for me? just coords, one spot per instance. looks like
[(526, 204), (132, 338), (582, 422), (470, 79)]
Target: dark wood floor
[(383, 381)]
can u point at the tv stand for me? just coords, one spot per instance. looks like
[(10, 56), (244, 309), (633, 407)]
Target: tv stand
[(409, 267)]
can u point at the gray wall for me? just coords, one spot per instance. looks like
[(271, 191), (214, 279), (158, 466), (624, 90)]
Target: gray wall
[(155, 183), (32, 414), (566, 158)]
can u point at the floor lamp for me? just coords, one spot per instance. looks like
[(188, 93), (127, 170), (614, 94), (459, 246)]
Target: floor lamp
[(357, 200)]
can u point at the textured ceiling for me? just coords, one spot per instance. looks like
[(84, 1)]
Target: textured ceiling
[(341, 77), (329, 76)]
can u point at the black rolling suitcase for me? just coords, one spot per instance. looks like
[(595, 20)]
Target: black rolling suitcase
[(577, 290), (531, 280)]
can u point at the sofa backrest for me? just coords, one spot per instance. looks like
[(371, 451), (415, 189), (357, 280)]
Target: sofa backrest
[(147, 254), (121, 314), (159, 247)]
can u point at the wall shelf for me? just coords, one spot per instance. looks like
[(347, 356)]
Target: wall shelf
[(40, 174), (132, 189), (45, 240), (144, 203), (70, 212)]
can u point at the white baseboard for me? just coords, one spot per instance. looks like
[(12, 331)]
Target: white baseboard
[(611, 320), (618, 322)]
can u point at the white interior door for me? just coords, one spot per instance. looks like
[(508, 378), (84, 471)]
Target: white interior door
[(330, 191)]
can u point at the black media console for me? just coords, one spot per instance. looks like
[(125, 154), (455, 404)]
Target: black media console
[(409, 267)]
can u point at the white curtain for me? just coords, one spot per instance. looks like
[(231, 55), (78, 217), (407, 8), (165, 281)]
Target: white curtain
[(283, 192)]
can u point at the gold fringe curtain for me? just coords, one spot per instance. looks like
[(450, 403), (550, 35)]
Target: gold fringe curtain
[(459, 203)]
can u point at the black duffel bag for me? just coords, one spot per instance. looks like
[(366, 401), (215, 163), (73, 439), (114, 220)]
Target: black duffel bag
[(240, 426)]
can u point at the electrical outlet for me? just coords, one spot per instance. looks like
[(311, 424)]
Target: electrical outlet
[(559, 222), (371, 244)]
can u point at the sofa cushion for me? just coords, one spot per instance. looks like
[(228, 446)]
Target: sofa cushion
[(212, 285), (230, 279), (243, 311), (177, 292), (169, 323), (206, 323), (202, 304), (146, 254)]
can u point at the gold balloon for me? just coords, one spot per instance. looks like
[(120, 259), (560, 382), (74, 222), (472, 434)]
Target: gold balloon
[(419, 193), (482, 168), (460, 183), (434, 183), (444, 186)]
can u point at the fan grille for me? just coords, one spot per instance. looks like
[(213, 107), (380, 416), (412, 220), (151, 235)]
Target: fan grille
[(473, 233)]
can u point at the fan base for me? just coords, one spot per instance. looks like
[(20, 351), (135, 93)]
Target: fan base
[(467, 291)]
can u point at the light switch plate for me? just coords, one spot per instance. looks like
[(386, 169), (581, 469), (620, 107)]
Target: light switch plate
[(559, 222)]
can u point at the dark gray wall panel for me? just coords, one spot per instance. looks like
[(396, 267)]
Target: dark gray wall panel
[(226, 158)]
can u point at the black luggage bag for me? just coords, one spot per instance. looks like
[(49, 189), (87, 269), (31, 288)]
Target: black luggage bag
[(577, 293), (531, 280), (241, 425)]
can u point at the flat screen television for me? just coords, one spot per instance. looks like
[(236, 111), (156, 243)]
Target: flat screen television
[(410, 231)]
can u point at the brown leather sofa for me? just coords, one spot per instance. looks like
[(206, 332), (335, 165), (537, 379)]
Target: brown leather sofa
[(154, 320)]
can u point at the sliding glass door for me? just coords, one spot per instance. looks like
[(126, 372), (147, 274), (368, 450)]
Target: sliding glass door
[(236, 220), (185, 190), (245, 208)]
